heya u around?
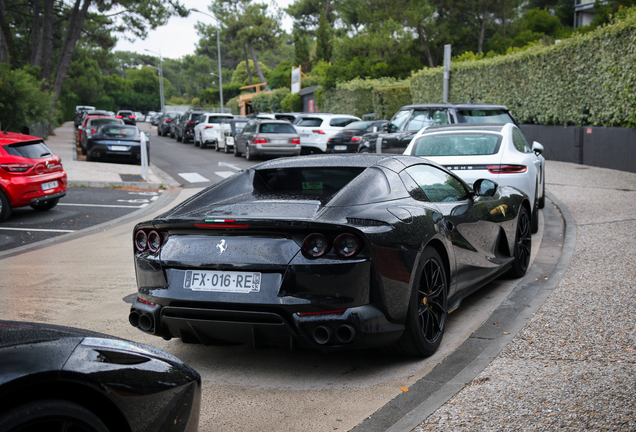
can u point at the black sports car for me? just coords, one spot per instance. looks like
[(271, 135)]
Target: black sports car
[(55, 378), (117, 143), (329, 252)]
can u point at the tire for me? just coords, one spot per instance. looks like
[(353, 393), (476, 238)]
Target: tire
[(427, 311), (185, 140), (202, 145), (179, 139), (159, 132), (236, 152), (51, 415), (5, 207), (535, 213), (216, 147), (523, 245), (196, 143), (249, 155), (46, 205), (364, 150), (542, 199)]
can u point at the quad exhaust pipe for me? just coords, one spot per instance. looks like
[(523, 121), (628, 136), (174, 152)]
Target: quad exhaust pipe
[(142, 321), (344, 334)]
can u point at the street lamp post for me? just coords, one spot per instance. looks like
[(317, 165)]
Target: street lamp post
[(160, 77), (218, 47)]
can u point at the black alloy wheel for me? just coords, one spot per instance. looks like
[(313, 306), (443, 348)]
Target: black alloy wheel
[(427, 313), (51, 415), (523, 245)]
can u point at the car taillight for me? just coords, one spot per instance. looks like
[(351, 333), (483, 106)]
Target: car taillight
[(168, 121), (259, 140), (346, 245), (119, 117), (506, 169), (315, 245), (191, 123), (16, 167), (209, 127), (318, 131), (221, 223), (132, 117), (295, 141), (356, 138), (92, 130)]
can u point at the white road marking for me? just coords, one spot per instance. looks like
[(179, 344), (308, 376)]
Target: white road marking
[(36, 230), (101, 205), (224, 174), (234, 167), (193, 177)]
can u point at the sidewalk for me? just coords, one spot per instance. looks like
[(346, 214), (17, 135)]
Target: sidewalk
[(101, 174), (572, 366)]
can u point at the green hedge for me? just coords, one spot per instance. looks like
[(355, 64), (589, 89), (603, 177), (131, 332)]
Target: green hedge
[(355, 97), (270, 101), (388, 100), (585, 80)]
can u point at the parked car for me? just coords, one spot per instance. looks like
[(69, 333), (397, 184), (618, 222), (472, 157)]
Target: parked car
[(90, 113), (316, 129), (328, 252), (127, 116), (139, 117), (186, 124), (208, 130), (79, 113), (410, 119), (30, 174), (90, 126), (163, 128), (263, 137), (55, 378), (230, 128), (117, 143), (149, 116), (172, 131), (500, 153), (349, 138)]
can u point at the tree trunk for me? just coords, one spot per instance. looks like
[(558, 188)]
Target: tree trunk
[(247, 65), (482, 32), (46, 45), (72, 35), (4, 54), (503, 17), (7, 45), (35, 41), (422, 38), (259, 72)]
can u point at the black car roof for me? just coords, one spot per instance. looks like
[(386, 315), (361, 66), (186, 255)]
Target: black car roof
[(457, 106)]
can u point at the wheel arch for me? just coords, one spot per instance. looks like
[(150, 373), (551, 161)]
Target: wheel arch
[(439, 247)]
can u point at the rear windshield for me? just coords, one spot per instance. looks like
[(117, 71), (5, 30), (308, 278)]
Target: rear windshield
[(31, 150), (195, 117), (304, 182), (359, 125), (311, 122), (99, 122), (277, 128), (341, 121), (119, 131), (484, 116), (465, 144), (239, 126), (218, 119)]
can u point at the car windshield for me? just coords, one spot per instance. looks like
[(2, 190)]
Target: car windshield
[(301, 182), (31, 150), (484, 116), (119, 131), (277, 128), (359, 125), (464, 144)]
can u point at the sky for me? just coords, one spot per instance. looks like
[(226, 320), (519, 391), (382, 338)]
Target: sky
[(179, 37)]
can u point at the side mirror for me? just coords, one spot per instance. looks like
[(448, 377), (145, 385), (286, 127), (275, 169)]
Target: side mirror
[(385, 127), (537, 148), (485, 187), (148, 134), (80, 127)]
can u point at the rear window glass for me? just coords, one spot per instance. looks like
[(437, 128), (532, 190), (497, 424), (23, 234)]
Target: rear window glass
[(99, 122), (303, 182), (195, 117), (32, 150), (239, 126), (341, 121), (484, 116), (359, 125), (119, 131), (280, 128), (465, 144), (310, 122), (218, 119)]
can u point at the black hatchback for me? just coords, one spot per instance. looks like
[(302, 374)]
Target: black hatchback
[(348, 139), (127, 116)]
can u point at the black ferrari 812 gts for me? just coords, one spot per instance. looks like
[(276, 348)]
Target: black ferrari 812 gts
[(329, 252)]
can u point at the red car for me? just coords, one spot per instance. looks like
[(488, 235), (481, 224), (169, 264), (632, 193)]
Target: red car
[(30, 174)]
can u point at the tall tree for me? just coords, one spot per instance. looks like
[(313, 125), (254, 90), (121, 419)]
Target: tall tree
[(324, 42)]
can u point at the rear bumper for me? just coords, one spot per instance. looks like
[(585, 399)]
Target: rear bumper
[(23, 191), (261, 150)]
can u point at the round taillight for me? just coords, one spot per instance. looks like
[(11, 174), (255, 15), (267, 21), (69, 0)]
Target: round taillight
[(315, 245), (346, 245), (141, 241), (154, 241)]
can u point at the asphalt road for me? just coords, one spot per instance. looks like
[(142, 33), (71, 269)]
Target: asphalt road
[(86, 279)]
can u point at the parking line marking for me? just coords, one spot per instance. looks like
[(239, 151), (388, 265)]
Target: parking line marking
[(234, 167), (193, 177), (224, 174), (101, 205), (36, 229)]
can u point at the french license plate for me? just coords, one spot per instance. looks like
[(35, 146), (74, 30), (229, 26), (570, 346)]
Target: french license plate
[(49, 185), (119, 148), (222, 281), (279, 141), (340, 148)]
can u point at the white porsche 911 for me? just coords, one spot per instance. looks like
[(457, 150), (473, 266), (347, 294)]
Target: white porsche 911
[(499, 152)]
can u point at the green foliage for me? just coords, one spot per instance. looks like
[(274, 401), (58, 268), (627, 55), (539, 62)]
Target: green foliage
[(291, 103), (240, 73), (387, 100), (357, 97), (269, 101), (301, 51), (22, 102), (585, 80), (280, 77), (324, 42)]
